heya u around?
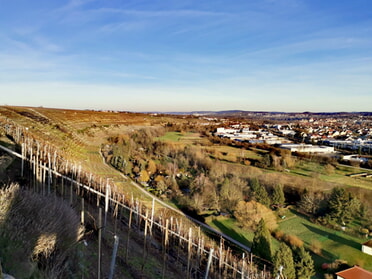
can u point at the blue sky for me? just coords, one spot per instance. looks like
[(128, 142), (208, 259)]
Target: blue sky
[(180, 55)]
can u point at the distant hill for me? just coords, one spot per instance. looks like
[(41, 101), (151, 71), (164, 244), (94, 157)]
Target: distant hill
[(272, 114)]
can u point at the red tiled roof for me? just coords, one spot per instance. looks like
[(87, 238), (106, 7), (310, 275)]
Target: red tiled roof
[(368, 243), (355, 272)]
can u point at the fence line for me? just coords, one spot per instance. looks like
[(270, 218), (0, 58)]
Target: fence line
[(199, 258)]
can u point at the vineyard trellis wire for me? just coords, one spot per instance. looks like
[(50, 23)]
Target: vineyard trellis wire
[(179, 239)]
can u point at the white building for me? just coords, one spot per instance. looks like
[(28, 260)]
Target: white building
[(308, 148), (367, 247), (226, 131), (354, 158)]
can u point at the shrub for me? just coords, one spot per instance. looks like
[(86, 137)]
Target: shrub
[(278, 234), (294, 241), (364, 232), (316, 247), (329, 169), (248, 214)]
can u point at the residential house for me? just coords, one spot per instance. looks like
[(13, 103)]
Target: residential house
[(355, 272), (367, 247)]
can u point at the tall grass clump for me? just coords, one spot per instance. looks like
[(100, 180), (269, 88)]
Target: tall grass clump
[(39, 235)]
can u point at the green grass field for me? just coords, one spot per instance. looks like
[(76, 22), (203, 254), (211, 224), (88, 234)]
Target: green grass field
[(224, 152), (170, 136), (182, 138), (334, 244), (230, 227), (338, 176)]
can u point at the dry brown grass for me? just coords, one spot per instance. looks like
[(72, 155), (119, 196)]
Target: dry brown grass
[(38, 234), (294, 241), (278, 234)]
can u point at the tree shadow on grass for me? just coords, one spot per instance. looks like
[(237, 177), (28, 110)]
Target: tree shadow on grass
[(231, 232), (334, 236)]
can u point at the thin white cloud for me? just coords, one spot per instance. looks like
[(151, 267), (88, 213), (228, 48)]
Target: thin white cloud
[(73, 4), (127, 26), (132, 76), (160, 13), (310, 45)]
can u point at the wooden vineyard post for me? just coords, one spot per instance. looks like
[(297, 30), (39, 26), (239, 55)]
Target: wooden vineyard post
[(221, 257), (166, 240), (62, 187), (23, 161), (89, 187), (37, 166), (55, 160), (63, 180), (43, 178), (82, 211), (100, 190), (49, 172), (37, 174), (179, 239), (129, 229), (243, 265), (152, 214), (189, 246), (116, 213), (32, 169), (144, 254), (121, 208), (235, 268), (251, 261), (137, 212), (78, 180), (114, 253), (107, 201), (210, 257), (226, 260), (72, 186), (99, 242), (199, 251)]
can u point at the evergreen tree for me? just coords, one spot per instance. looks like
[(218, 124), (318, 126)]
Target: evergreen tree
[(283, 262), (342, 206), (278, 195), (259, 192), (261, 245), (304, 264)]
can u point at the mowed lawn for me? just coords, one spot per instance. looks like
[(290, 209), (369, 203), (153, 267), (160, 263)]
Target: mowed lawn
[(230, 227), (334, 244), (182, 138), (170, 136)]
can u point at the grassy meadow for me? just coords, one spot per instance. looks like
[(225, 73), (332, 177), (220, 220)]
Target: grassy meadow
[(328, 244)]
